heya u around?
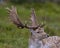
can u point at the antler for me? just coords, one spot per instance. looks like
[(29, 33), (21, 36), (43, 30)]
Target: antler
[(33, 17), (14, 17)]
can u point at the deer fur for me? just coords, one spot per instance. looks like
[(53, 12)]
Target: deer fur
[(38, 38), (42, 40)]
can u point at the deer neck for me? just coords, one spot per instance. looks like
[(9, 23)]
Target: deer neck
[(35, 43)]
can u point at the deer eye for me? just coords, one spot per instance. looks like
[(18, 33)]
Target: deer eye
[(37, 32)]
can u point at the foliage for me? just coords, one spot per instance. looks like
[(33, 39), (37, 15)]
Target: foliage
[(18, 1), (34, 1), (28, 1)]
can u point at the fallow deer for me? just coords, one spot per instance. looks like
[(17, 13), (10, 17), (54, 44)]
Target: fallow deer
[(38, 38)]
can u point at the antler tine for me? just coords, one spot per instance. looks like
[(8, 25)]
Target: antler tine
[(33, 17), (14, 17)]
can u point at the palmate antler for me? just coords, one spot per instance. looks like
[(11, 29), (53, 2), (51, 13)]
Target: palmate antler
[(33, 17), (14, 17)]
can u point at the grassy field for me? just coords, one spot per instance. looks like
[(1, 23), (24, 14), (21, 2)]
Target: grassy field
[(12, 37)]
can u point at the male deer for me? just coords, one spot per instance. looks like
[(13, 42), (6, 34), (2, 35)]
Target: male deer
[(38, 38)]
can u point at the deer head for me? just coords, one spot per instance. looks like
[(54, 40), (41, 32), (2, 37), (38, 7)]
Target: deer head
[(36, 30)]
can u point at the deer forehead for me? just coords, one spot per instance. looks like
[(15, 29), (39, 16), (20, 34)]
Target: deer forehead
[(40, 30), (37, 30)]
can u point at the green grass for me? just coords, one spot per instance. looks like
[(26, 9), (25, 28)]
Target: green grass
[(12, 37)]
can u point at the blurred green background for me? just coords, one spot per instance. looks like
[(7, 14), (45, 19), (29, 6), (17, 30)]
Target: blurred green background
[(47, 11)]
